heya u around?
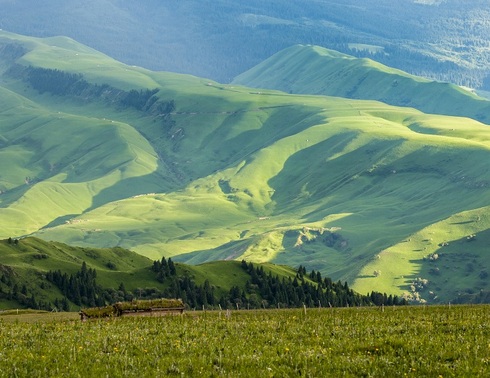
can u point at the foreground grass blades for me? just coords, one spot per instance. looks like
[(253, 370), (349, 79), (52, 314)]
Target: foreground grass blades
[(413, 341)]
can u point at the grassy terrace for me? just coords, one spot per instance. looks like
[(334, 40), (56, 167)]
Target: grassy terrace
[(409, 341)]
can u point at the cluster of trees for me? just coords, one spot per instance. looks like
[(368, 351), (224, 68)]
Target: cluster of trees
[(305, 289), (80, 288), (56, 82), (11, 290), (265, 290), (483, 296), (61, 83), (141, 100), (11, 51), (261, 290), (164, 269), (12, 241)]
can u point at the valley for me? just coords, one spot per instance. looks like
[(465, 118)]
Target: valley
[(362, 191)]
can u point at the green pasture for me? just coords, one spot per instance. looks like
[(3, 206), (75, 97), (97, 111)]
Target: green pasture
[(235, 172), (393, 341)]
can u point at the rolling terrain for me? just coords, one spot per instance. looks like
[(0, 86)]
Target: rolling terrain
[(178, 166), (444, 40), (315, 70)]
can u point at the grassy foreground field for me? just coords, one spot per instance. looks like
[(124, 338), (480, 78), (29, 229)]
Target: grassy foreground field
[(394, 342)]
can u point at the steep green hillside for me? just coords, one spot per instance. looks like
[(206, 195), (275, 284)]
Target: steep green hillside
[(174, 165), (315, 70)]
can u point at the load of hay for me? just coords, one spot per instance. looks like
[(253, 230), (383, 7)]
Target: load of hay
[(98, 312)]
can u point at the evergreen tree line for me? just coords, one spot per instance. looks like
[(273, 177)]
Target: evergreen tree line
[(61, 83), (483, 296), (80, 288), (310, 290), (11, 290), (262, 290), (183, 287), (164, 269)]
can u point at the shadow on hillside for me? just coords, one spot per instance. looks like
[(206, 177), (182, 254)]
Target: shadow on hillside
[(227, 251), (366, 276), (329, 169), (60, 220), (465, 222), (457, 268), (152, 183), (127, 188)]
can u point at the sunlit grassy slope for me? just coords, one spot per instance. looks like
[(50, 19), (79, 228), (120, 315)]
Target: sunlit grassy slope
[(325, 182), (316, 70)]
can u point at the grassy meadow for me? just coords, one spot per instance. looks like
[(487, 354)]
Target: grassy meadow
[(403, 341), (236, 173)]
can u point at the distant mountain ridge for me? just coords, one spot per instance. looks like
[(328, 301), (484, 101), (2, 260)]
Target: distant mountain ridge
[(443, 40), (315, 70), (359, 190)]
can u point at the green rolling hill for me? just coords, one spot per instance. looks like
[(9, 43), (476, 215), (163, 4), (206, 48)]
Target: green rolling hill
[(26, 265), (307, 69), (178, 166)]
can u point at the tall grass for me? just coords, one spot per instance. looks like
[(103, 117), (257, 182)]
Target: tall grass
[(413, 341)]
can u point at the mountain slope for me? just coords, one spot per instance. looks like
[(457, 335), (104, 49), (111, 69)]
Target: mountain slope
[(315, 70), (179, 166), (445, 40)]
